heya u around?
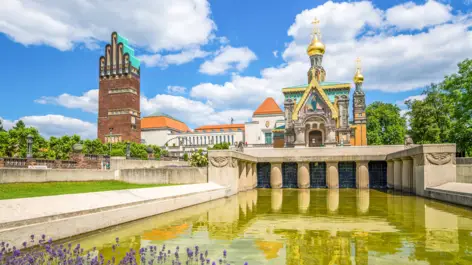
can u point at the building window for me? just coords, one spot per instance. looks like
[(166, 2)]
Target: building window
[(268, 138), (232, 139)]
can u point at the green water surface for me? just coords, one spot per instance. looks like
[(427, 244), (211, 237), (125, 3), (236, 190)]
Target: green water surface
[(287, 226)]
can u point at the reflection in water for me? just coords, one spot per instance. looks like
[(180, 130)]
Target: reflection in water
[(317, 226), (333, 200)]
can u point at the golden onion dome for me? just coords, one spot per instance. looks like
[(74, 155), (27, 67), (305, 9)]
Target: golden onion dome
[(358, 77), (316, 47)]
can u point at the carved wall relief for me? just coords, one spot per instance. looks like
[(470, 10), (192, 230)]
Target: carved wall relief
[(219, 161), (439, 158)]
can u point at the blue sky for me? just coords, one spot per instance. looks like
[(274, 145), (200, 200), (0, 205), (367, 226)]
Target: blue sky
[(207, 61)]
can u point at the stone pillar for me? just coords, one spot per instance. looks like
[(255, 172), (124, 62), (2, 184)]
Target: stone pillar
[(303, 175), (276, 175), (249, 174), (362, 174), (303, 200), (242, 176), (276, 199), (254, 175), (332, 175), (407, 174), (333, 200), (397, 174), (390, 174)]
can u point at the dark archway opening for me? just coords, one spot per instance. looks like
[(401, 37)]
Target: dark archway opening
[(318, 175), (263, 175), (378, 174), (347, 174), (289, 175)]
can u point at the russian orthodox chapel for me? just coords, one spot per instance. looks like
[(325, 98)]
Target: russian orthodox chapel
[(317, 114)]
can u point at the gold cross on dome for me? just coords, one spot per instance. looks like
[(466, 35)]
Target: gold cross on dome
[(316, 30), (358, 63)]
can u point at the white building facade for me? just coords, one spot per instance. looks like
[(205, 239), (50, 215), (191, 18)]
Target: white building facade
[(267, 117)]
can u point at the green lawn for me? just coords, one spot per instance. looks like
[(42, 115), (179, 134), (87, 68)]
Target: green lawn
[(25, 190)]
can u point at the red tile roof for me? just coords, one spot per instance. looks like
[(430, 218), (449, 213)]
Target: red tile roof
[(225, 127), (161, 122), (268, 107)]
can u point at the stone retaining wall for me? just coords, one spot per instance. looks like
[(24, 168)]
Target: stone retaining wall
[(11, 175), (464, 173), (171, 175), (183, 175), (117, 163)]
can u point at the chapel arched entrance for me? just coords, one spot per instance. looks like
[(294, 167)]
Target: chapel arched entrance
[(315, 138)]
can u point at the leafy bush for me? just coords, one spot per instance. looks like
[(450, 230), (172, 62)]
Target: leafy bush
[(117, 152), (220, 146), (198, 159), (185, 157)]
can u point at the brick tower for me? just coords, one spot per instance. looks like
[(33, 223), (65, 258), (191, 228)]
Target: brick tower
[(119, 91)]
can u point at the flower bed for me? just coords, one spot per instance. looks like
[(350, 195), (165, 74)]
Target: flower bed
[(52, 254)]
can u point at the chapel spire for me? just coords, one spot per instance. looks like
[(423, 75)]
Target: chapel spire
[(316, 47), (315, 51), (358, 77)]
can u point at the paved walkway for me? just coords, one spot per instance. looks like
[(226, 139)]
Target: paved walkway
[(29, 210), (456, 187)]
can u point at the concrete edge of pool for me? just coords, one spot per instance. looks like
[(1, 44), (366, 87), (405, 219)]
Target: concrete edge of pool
[(97, 216)]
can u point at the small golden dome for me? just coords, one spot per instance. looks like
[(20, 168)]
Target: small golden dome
[(316, 47), (358, 78)]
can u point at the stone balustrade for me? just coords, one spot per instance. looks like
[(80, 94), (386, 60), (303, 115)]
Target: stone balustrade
[(409, 169)]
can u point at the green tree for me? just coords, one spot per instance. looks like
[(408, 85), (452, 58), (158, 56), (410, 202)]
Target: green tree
[(15, 145), (62, 147), (431, 119), (185, 157), (385, 125), (1, 126), (95, 147), (138, 151), (459, 88), (118, 149)]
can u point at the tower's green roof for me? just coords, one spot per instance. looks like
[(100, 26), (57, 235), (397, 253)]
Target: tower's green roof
[(127, 49)]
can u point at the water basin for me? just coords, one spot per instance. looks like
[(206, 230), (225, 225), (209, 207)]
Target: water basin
[(318, 226)]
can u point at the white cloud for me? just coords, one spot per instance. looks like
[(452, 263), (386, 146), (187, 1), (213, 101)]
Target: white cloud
[(248, 91), (173, 59), (276, 54), (176, 89), (57, 125), (413, 16), (191, 111), (155, 25), (391, 61), (402, 103), (228, 58), (88, 102)]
